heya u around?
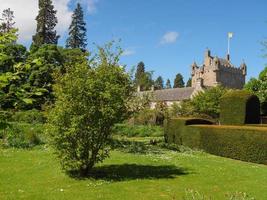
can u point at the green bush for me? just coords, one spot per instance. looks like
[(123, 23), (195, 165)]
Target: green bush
[(247, 143), (239, 107), (21, 135), (29, 116), (138, 130)]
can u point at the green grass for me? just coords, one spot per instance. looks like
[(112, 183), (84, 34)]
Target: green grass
[(154, 174)]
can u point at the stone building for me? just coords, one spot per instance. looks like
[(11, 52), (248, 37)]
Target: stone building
[(218, 71), (213, 72)]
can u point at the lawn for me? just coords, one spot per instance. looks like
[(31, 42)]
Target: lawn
[(129, 174)]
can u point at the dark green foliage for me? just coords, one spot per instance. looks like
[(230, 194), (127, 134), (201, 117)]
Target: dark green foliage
[(90, 100), (30, 116), (239, 107), (159, 83), (245, 143), (189, 82), (178, 81), (142, 77), (264, 108), (77, 30), (46, 23), (138, 130), (168, 84), (15, 53), (7, 21), (23, 135), (207, 103)]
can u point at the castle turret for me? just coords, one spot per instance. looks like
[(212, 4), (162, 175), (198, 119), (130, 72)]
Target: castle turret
[(193, 68), (243, 67), (218, 71)]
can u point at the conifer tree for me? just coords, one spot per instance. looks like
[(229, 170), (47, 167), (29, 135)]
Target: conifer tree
[(7, 21), (46, 23), (159, 84), (168, 84), (140, 71), (189, 83), (178, 81), (77, 30)]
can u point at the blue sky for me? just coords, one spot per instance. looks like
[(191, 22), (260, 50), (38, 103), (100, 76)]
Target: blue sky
[(166, 35), (199, 24)]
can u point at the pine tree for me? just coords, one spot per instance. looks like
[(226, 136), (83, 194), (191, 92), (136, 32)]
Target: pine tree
[(77, 30), (140, 71), (159, 84), (46, 23), (178, 81), (168, 84), (189, 83), (7, 21)]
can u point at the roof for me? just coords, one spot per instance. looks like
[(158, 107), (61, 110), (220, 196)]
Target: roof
[(174, 94)]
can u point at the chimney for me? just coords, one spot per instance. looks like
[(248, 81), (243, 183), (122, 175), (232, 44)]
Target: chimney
[(207, 53), (228, 57)]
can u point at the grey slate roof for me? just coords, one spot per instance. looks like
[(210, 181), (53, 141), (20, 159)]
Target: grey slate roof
[(174, 94)]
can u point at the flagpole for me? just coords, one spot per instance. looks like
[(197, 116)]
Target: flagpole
[(228, 50)]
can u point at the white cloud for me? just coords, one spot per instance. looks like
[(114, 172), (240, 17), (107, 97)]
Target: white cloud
[(25, 12), (90, 5), (128, 52), (169, 37)]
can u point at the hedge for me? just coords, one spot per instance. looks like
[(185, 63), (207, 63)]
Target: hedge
[(247, 143), (239, 107)]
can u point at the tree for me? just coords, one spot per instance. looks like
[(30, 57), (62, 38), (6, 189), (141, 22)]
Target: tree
[(159, 84), (77, 30), (168, 84), (258, 86), (143, 78), (140, 71), (7, 21), (46, 23), (207, 103), (178, 81), (89, 101), (189, 83)]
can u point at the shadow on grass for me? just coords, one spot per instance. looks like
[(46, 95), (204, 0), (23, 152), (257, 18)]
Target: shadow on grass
[(133, 171)]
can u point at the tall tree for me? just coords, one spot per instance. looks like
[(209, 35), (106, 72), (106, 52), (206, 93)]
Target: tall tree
[(143, 78), (7, 19), (189, 83), (178, 81), (77, 30), (140, 71), (46, 23), (159, 83), (168, 84)]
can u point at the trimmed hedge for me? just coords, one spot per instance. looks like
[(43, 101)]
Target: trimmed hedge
[(247, 143), (239, 107)]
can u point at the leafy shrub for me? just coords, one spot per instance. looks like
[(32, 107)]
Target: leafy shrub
[(208, 102), (239, 107), (29, 116), (247, 143), (138, 130), (90, 100), (23, 135)]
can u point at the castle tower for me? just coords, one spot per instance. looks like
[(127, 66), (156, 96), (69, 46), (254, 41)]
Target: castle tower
[(218, 71)]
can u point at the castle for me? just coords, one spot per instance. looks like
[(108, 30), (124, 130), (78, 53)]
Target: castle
[(218, 71), (214, 71)]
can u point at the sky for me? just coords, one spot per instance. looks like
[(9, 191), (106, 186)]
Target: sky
[(168, 36)]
